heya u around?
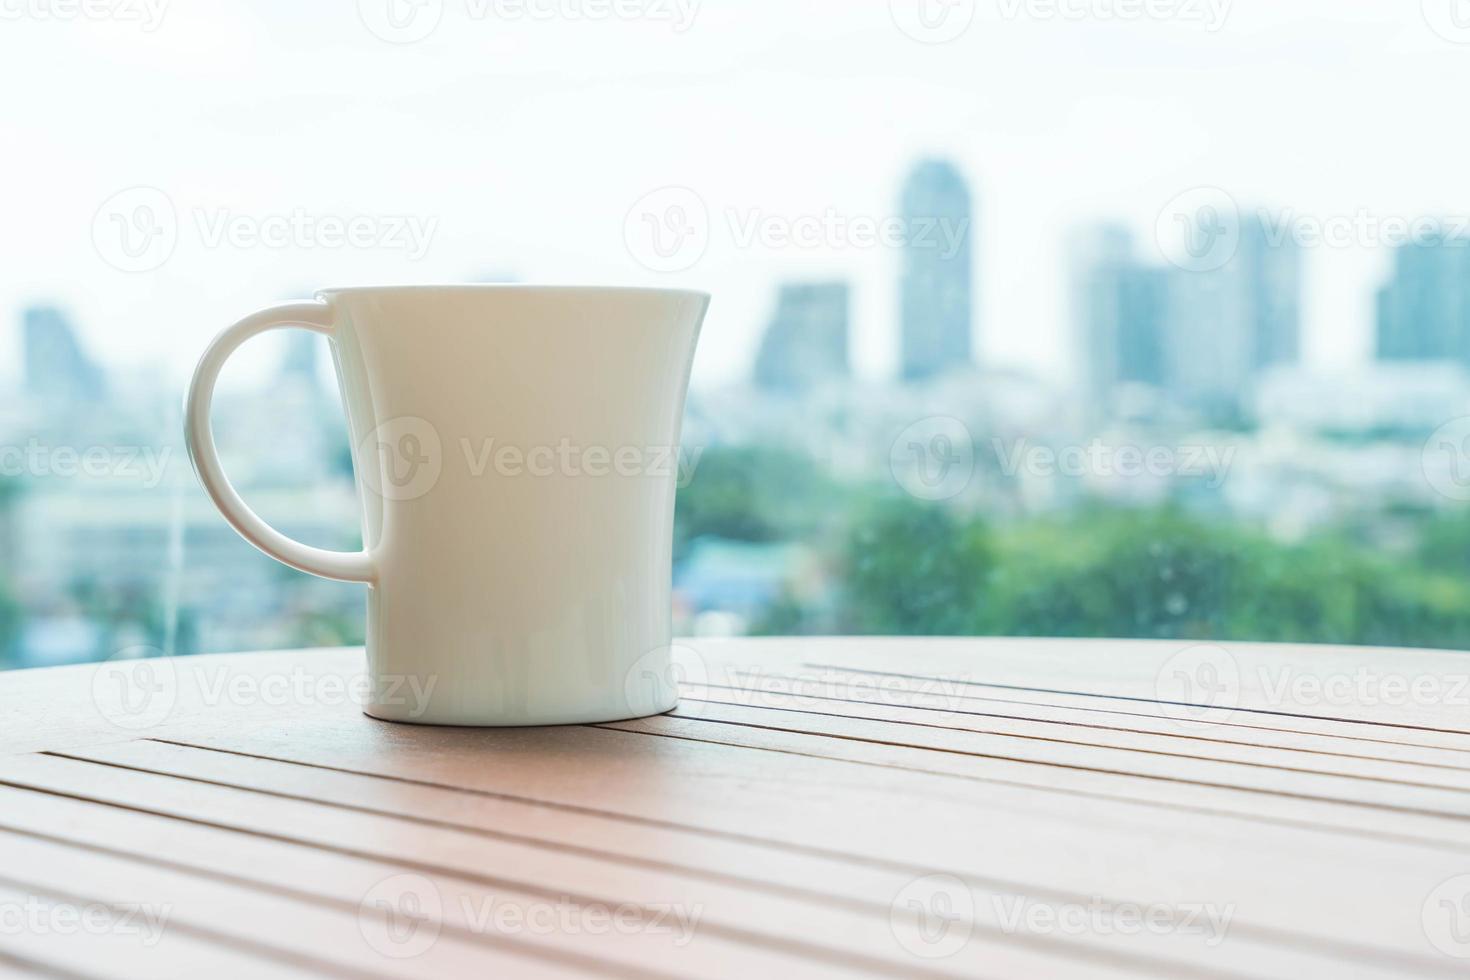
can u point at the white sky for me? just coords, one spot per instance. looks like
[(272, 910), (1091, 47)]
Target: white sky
[(529, 141)]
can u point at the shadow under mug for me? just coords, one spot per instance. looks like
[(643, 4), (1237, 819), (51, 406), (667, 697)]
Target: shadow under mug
[(516, 450)]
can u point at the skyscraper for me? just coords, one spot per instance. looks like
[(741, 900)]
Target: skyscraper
[(57, 370), (1121, 309), (300, 357), (1424, 309), (806, 342), (1227, 325), (937, 286), (1202, 337), (1272, 273)]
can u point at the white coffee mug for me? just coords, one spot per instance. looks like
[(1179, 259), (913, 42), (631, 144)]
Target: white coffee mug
[(516, 453)]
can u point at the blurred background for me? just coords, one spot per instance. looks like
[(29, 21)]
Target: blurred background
[(1031, 317)]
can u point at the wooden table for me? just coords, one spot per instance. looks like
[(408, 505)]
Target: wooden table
[(822, 808)]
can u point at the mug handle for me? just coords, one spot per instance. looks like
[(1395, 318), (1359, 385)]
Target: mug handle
[(344, 566)]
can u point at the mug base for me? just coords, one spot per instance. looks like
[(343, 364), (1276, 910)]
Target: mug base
[(468, 720)]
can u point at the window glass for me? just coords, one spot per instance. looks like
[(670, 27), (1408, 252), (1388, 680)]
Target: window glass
[(1030, 318)]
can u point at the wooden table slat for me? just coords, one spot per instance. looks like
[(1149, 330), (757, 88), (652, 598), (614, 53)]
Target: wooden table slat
[(797, 798)]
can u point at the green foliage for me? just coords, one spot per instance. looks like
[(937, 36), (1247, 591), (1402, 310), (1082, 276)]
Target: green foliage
[(911, 568), (752, 494), (1163, 574), (906, 567)]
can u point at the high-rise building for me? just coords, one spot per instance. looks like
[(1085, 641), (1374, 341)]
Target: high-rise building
[(1228, 325), (806, 342), (1201, 337), (1424, 309), (1121, 309), (300, 358), (57, 370), (938, 275), (1272, 274)]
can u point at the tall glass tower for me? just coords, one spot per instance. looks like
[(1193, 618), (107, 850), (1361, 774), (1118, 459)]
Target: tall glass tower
[(937, 287), (57, 369), (1424, 309), (806, 343)]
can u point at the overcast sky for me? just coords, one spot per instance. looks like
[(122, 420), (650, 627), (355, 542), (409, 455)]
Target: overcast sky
[(522, 141)]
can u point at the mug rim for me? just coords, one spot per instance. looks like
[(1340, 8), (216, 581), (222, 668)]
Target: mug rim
[(508, 287)]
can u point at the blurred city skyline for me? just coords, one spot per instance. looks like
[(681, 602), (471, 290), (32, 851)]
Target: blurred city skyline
[(1057, 124), (1196, 402), (1202, 325), (1035, 319)]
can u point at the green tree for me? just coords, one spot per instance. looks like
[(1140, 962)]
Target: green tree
[(913, 568), (753, 494)]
